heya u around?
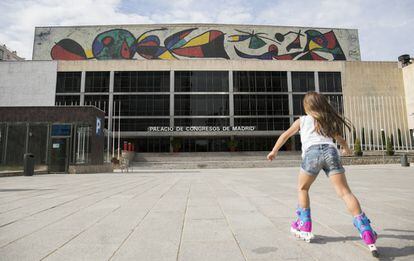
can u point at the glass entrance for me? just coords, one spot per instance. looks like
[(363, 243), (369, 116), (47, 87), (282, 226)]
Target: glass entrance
[(204, 144), (59, 155)]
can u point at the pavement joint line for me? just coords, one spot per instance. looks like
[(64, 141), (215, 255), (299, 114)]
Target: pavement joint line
[(96, 185), (119, 184), (137, 225), (54, 187), (183, 225), (325, 226), (227, 221), (347, 214), (82, 231), (102, 218), (66, 216), (55, 206), (278, 229)]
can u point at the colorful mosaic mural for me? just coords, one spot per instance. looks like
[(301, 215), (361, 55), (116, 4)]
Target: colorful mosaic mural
[(195, 42)]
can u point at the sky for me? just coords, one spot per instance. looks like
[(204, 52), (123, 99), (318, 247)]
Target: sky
[(386, 27)]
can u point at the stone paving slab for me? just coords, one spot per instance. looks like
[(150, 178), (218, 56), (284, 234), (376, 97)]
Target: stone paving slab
[(208, 214)]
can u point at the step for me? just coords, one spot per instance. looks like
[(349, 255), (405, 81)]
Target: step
[(210, 156), (209, 164)]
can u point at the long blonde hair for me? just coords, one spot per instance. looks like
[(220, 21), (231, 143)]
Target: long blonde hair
[(328, 122)]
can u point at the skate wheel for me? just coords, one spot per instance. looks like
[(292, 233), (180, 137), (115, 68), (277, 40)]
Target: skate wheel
[(373, 250)]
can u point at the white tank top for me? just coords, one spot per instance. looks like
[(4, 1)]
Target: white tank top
[(309, 136)]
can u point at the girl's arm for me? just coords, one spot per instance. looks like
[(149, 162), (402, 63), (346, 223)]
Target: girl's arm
[(346, 151), (283, 138)]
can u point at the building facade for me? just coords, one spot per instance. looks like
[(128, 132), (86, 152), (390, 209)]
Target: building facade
[(7, 55), (194, 88)]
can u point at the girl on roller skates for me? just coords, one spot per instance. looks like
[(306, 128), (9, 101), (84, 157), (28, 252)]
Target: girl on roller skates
[(318, 128)]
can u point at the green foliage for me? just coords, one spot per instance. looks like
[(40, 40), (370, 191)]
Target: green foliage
[(232, 143), (176, 144), (390, 147), (357, 148)]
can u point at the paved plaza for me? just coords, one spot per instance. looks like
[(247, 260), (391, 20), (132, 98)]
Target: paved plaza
[(195, 215)]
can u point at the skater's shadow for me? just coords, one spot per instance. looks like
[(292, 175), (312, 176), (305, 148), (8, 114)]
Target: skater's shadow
[(386, 253)]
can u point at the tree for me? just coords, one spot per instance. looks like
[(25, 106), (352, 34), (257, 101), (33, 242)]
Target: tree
[(176, 144), (390, 147), (357, 148), (232, 145)]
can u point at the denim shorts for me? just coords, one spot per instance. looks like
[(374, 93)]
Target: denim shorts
[(322, 156)]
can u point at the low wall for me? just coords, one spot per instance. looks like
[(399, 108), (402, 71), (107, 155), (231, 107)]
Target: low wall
[(84, 169)]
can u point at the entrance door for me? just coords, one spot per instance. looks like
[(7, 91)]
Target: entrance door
[(59, 155), (201, 145), (204, 144)]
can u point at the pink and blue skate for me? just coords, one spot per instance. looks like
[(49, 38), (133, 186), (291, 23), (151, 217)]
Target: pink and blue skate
[(302, 227), (368, 235)]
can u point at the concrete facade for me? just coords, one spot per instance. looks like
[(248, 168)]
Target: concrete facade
[(29, 83), (408, 75), (7, 55), (189, 41), (373, 92), (376, 95), (374, 99)]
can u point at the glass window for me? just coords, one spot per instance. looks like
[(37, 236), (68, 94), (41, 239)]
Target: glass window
[(145, 144), (148, 81), (258, 81), (259, 104), (201, 81), (255, 143), (202, 122), (97, 82), (303, 81), (99, 101), (264, 124), (3, 128), (330, 82), (83, 144), (336, 102), (203, 144), (67, 100), (298, 104), (143, 105), (68, 82), (141, 124), (16, 144), (37, 142), (201, 104)]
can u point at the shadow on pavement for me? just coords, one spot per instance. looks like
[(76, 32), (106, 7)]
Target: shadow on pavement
[(386, 253)]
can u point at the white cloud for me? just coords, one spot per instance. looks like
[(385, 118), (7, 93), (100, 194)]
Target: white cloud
[(384, 26), (18, 22)]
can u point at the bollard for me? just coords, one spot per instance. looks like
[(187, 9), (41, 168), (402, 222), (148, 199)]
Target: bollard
[(29, 162), (404, 161)]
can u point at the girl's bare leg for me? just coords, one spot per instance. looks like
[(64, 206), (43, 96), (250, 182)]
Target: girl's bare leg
[(304, 183), (343, 191)]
